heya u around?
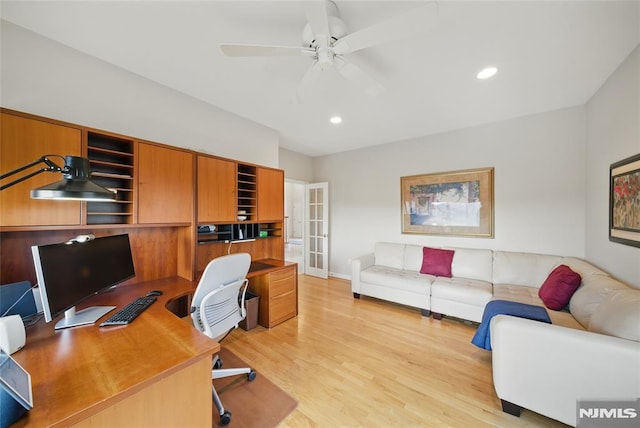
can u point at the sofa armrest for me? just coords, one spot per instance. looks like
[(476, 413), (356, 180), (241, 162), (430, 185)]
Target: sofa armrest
[(358, 265), (547, 368)]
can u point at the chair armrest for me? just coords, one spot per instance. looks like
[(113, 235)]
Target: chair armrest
[(358, 265), (547, 368)]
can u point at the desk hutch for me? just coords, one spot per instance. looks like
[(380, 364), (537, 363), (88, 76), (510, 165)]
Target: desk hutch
[(164, 194)]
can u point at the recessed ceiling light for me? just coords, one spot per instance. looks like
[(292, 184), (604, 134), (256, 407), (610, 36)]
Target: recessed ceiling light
[(487, 72), (335, 120)]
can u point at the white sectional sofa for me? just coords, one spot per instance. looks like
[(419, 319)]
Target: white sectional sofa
[(590, 351)]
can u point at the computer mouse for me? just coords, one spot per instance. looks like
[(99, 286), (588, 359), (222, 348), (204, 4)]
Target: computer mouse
[(154, 293)]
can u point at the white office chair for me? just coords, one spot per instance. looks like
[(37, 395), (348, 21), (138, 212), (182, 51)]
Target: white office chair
[(217, 308)]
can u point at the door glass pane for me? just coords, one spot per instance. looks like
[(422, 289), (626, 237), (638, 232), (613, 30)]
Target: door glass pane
[(316, 226)]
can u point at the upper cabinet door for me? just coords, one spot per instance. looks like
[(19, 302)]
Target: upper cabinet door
[(165, 185), (270, 194), (216, 190), (24, 141)]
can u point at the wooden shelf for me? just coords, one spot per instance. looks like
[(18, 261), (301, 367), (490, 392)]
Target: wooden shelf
[(111, 160), (240, 231), (247, 191), (109, 152)]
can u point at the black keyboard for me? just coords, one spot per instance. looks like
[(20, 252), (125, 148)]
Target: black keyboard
[(130, 312)]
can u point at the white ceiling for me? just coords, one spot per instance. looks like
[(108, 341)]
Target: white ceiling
[(551, 55)]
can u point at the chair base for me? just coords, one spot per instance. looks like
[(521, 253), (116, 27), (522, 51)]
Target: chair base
[(217, 373)]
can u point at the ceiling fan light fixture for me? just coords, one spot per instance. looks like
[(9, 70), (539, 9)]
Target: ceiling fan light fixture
[(487, 73), (335, 120)]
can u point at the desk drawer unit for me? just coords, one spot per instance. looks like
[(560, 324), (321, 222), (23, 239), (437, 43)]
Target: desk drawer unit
[(278, 291)]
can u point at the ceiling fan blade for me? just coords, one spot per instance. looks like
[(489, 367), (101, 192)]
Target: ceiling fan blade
[(400, 26), (355, 74), (305, 87), (316, 13), (232, 49)]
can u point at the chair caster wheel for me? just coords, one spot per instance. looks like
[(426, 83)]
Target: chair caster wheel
[(225, 418), (218, 364), (252, 375)]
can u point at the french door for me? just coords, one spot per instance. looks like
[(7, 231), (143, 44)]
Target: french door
[(317, 227)]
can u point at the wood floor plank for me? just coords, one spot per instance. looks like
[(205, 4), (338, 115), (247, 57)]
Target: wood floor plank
[(372, 363)]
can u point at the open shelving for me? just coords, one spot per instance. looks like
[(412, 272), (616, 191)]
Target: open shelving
[(247, 191), (243, 231), (111, 161)]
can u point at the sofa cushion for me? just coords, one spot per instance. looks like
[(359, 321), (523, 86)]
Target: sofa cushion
[(593, 291), (522, 268), (462, 290), (557, 289), (472, 263), (618, 315), (389, 255), (436, 261), (516, 293), (564, 319), (582, 267), (412, 257), (396, 278)]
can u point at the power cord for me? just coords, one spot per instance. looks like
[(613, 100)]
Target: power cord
[(28, 320), (18, 301)]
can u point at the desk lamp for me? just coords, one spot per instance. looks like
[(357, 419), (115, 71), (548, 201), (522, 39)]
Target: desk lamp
[(76, 184)]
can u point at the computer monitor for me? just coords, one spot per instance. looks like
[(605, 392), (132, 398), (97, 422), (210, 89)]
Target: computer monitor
[(70, 272)]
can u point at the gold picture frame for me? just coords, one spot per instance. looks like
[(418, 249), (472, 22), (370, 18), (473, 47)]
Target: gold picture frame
[(624, 201), (458, 203)]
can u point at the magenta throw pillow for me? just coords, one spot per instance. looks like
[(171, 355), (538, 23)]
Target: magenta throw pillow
[(436, 261), (557, 289)]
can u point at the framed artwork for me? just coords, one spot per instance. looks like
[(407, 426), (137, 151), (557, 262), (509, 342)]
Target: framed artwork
[(624, 201), (449, 203)]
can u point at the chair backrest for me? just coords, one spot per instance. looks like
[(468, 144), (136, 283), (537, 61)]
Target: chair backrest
[(218, 302)]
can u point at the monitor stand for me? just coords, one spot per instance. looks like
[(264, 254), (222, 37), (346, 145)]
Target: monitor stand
[(86, 316)]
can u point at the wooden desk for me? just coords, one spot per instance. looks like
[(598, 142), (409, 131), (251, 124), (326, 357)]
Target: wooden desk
[(276, 282), (154, 372)]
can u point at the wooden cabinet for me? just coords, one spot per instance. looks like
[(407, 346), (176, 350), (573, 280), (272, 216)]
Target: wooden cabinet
[(157, 185), (278, 291), (228, 189), (216, 190), (270, 194), (165, 185), (24, 140)]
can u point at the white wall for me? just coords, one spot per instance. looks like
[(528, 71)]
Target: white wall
[(294, 209), (539, 166), (613, 134), (46, 78), (296, 166)]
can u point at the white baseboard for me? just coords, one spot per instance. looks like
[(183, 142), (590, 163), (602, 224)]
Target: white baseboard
[(340, 275)]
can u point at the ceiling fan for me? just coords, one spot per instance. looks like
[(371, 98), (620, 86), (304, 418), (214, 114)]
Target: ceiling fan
[(325, 40)]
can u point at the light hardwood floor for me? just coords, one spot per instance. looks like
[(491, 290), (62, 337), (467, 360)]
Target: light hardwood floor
[(370, 363)]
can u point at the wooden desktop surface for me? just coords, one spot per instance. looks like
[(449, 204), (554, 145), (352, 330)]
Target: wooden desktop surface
[(78, 372), (134, 375), (264, 266)]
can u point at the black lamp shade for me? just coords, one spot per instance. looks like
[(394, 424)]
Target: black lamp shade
[(75, 185)]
